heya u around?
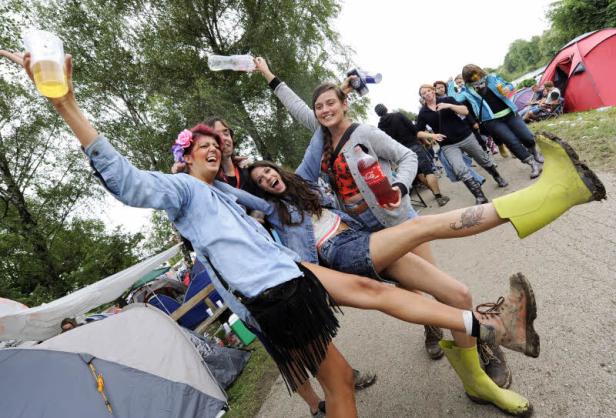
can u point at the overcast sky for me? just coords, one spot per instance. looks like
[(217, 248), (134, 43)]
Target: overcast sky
[(411, 43), (416, 42)]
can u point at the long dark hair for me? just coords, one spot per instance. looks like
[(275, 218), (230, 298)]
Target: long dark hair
[(298, 192), (328, 149)]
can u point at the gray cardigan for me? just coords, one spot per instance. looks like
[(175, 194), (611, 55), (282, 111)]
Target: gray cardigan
[(390, 153)]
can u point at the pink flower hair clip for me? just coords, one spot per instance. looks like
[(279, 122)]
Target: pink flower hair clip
[(183, 141)]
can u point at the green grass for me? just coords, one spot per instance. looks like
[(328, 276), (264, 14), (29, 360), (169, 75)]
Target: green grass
[(592, 134), (249, 391)]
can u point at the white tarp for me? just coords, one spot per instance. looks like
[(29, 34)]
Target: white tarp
[(8, 306), (144, 338), (43, 322)]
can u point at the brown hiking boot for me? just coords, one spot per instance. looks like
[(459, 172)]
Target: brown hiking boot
[(492, 361), (509, 321), (433, 336)]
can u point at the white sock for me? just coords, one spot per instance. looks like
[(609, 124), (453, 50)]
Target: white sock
[(467, 316)]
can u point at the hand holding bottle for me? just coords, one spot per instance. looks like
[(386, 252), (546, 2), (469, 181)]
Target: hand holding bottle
[(262, 67), (396, 204)]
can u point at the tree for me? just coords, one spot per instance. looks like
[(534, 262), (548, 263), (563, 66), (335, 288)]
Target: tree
[(44, 187), (142, 67), (571, 18)]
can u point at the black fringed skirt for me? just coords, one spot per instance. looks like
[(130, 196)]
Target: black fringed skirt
[(297, 324)]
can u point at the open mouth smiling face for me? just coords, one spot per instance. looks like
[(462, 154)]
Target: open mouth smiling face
[(268, 180), (205, 155), (328, 108)]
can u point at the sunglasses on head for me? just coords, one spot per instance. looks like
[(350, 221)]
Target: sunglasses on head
[(479, 83)]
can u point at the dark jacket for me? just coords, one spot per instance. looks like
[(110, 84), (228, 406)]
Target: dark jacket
[(400, 128)]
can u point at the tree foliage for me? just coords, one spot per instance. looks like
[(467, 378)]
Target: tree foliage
[(141, 74), (569, 19), (142, 67), (46, 248)]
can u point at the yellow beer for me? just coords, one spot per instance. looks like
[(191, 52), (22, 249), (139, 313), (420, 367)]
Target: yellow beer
[(49, 78)]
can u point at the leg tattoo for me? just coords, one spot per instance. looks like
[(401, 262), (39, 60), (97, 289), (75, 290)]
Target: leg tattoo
[(471, 217)]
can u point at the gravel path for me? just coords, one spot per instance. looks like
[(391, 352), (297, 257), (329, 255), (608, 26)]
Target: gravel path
[(572, 266)]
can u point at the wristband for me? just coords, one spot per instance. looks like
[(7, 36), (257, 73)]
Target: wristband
[(274, 83), (403, 189)]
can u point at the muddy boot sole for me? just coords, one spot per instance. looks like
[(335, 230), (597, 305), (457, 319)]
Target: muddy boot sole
[(520, 282), (590, 179), (523, 414)]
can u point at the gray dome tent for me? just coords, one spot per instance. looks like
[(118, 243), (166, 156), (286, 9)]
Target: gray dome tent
[(148, 369)]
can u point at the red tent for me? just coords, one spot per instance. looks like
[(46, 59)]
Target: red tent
[(585, 71)]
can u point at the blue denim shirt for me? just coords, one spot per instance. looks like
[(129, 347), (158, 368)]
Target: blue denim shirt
[(237, 245), (469, 94)]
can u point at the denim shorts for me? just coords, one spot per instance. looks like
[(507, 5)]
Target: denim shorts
[(349, 252)]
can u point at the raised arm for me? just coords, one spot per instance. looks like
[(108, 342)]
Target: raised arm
[(127, 183), (67, 106), (298, 109)]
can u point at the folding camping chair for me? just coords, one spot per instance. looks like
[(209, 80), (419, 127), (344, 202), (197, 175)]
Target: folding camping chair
[(200, 296), (555, 112), (419, 201)]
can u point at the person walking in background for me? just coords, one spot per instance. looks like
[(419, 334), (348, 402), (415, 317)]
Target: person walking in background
[(487, 94), (455, 136), (402, 129), (440, 89)]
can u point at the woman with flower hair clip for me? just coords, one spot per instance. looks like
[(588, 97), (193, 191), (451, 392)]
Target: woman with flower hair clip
[(289, 300)]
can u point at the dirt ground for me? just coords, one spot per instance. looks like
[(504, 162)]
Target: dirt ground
[(572, 267)]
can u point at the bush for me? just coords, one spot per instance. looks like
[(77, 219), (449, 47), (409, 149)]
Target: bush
[(529, 82)]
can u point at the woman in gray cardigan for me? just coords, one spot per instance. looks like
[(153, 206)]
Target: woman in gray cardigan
[(329, 123)]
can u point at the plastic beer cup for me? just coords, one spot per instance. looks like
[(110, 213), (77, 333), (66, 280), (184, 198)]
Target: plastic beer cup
[(47, 62)]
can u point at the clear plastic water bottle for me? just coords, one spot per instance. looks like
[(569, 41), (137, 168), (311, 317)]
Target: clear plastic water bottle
[(378, 182), (231, 62)]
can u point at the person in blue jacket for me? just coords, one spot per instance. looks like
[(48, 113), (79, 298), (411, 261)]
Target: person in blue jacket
[(486, 94)]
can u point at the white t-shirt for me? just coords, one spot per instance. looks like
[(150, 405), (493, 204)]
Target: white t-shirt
[(325, 226)]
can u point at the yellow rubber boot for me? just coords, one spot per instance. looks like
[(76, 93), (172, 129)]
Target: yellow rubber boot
[(564, 183), (478, 385), (504, 152)]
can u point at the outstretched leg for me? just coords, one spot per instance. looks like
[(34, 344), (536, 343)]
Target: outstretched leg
[(414, 273), (509, 321), (388, 245)]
